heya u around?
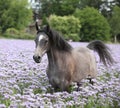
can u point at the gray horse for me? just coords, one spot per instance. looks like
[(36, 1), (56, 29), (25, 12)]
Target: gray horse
[(65, 63)]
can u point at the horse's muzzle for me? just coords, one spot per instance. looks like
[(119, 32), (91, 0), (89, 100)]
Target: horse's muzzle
[(37, 59)]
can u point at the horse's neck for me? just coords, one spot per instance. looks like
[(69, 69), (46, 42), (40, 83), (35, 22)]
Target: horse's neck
[(51, 58)]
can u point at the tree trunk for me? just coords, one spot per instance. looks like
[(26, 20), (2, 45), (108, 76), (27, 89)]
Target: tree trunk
[(115, 39)]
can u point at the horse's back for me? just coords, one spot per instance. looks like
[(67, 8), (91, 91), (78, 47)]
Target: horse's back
[(85, 63)]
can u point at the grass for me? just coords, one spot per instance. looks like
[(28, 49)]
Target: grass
[(4, 101), (37, 91)]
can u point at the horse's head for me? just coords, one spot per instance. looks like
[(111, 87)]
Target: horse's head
[(41, 42), (47, 39)]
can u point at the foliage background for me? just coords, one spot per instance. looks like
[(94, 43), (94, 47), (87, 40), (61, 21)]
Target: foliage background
[(104, 25), (14, 14), (94, 25), (68, 26), (104, 8), (115, 21)]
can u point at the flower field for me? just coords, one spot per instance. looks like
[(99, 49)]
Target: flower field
[(24, 84)]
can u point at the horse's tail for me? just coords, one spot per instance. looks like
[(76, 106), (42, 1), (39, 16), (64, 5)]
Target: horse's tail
[(102, 50)]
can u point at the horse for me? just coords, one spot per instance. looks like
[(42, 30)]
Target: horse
[(65, 63)]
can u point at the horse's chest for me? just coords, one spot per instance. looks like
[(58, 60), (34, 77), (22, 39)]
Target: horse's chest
[(62, 71), (54, 72)]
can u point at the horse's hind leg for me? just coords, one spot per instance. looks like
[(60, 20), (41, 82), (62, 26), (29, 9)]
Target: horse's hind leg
[(90, 81), (78, 86)]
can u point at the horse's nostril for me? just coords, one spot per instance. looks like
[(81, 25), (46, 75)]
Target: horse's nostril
[(39, 57), (36, 57)]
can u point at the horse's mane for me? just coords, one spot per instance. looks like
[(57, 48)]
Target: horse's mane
[(57, 41)]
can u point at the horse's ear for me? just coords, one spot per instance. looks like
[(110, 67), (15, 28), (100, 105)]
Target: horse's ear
[(37, 26)]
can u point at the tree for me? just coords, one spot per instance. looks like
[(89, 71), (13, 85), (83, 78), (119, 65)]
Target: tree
[(94, 25), (115, 22), (58, 7), (107, 7), (117, 2), (14, 14), (104, 6), (90, 3)]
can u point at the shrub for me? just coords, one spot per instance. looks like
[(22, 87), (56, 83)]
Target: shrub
[(94, 25), (13, 33), (69, 26), (24, 35)]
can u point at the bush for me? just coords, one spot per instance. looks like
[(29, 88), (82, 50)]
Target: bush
[(69, 26), (14, 14), (94, 25), (13, 33), (24, 35)]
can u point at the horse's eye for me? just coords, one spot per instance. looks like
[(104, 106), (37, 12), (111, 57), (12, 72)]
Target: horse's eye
[(46, 41)]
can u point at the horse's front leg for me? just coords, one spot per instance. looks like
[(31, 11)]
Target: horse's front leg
[(64, 85)]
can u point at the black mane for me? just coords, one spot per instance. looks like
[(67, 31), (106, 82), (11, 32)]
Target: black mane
[(57, 41)]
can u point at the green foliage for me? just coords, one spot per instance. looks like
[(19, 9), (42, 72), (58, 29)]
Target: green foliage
[(97, 103), (107, 7), (0, 30), (115, 21), (14, 14), (91, 3), (67, 7), (44, 20), (37, 91), (16, 34), (69, 26), (5, 101), (22, 86), (12, 31), (94, 25), (58, 7)]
